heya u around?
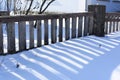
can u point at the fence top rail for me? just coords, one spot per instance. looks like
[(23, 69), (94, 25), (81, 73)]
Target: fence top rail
[(113, 14), (41, 17)]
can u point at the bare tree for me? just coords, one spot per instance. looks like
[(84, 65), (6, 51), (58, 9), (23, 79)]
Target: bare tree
[(29, 6), (26, 6)]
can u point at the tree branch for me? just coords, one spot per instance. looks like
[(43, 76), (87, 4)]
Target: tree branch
[(46, 6), (42, 6), (29, 7)]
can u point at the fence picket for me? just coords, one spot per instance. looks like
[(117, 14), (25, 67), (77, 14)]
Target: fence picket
[(1, 39), (22, 35), (74, 27), (60, 29), (54, 30), (46, 41), (86, 22), (31, 27), (106, 27), (117, 26), (114, 26), (39, 33), (110, 28), (11, 37), (80, 26), (67, 28)]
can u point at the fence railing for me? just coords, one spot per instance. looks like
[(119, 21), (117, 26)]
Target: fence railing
[(112, 22), (18, 33)]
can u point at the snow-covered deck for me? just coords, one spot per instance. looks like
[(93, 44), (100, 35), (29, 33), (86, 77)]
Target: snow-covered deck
[(86, 58)]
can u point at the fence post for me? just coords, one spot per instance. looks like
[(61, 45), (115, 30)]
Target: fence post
[(98, 19)]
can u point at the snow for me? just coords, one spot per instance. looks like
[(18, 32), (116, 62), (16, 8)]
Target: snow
[(116, 73), (85, 58)]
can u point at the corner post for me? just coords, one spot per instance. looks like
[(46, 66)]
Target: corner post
[(98, 19)]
